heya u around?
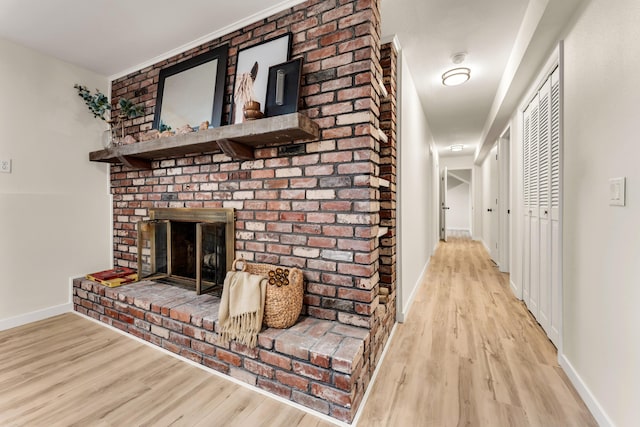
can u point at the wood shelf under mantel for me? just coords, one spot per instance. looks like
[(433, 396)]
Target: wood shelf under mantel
[(237, 141)]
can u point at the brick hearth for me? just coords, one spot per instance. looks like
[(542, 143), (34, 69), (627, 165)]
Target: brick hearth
[(316, 363)]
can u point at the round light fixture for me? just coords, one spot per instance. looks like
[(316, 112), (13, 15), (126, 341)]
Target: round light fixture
[(457, 147), (456, 76)]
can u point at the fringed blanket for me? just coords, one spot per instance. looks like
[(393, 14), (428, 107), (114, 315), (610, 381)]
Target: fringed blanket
[(242, 307)]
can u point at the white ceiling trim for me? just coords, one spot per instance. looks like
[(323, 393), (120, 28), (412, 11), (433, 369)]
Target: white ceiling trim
[(393, 38), (208, 37)]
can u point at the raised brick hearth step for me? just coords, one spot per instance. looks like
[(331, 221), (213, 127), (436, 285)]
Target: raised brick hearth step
[(316, 363)]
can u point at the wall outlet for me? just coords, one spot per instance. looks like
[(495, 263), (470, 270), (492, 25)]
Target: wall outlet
[(5, 165)]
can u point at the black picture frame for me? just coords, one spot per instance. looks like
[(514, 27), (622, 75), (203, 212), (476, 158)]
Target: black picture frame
[(283, 88), (267, 53), (219, 54)]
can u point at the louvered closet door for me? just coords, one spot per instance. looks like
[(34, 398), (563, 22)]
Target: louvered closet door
[(541, 281), (554, 190), (534, 207), (544, 141), (526, 167)]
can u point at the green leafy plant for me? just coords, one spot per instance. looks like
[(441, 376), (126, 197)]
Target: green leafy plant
[(98, 103), (129, 110), (163, 127)]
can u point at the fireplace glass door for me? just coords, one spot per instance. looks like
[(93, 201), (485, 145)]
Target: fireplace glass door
[(183, 253)]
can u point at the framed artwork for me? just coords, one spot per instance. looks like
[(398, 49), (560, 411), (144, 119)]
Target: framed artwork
[(192, 91), (252, 73), (283, 88)]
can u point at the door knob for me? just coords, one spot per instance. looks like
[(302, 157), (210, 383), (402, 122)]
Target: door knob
[(445, 207)]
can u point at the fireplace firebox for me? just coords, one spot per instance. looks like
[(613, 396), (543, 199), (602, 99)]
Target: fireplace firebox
[(187, 247)]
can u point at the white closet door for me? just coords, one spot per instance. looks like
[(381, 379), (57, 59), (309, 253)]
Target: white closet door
[(544, 136), (555, 329), (534, 207), (526, 167)]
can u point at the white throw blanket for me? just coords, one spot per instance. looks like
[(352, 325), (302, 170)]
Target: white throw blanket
[(242, 307)]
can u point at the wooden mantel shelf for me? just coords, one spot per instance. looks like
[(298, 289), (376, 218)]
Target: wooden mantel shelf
[(237, 141)]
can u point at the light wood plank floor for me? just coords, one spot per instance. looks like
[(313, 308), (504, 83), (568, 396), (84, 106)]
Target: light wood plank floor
[(471, 354), (70, 371), (468, 354)]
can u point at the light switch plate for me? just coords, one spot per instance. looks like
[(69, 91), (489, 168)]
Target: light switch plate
[(5, 165), (617, 191)]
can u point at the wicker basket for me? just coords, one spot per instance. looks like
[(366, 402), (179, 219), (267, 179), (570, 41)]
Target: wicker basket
[(282, 304)]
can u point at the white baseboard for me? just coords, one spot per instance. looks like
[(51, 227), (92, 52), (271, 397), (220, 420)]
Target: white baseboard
[(589, 399), (405, 310), (485, 246), (34, 316), (515, 289)]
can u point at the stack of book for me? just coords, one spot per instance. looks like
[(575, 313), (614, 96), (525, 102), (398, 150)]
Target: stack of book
[(114, 277)]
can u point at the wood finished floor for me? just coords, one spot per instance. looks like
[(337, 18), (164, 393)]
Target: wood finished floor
[(468, 354), (70, 371)]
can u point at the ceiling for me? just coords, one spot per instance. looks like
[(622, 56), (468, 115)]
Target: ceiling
[(430, 33), (114, 37)]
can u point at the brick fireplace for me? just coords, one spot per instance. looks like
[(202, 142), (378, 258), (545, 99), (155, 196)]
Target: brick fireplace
[(315, 205)]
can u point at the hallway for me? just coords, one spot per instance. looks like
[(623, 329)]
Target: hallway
[(471, 354)]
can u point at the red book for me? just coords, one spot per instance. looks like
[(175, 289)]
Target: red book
[(114, 277)]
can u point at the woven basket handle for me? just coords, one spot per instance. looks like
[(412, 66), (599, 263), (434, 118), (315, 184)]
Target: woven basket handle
[(234, 266)]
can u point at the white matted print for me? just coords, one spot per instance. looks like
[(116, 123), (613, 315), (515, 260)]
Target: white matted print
[(272, 52)]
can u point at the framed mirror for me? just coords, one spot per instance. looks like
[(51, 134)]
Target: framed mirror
[(192, 91)]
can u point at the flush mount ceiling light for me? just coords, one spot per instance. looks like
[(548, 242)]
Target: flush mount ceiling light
[(456, 76), (457, 147)]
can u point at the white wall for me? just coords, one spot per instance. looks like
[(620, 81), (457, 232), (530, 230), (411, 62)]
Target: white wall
[(601, 243), (456, 162), (459, 202), (416, 171), (55, 205)]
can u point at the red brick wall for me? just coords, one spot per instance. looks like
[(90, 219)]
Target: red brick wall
[(385, 313), (388, 161), (310, 205)]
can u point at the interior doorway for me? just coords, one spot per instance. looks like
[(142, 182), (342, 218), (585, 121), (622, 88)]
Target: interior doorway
[(456, 201)]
